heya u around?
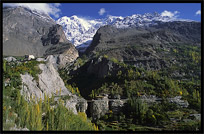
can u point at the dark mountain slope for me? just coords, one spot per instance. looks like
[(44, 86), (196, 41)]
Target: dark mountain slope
[(147, 47), (30, 32), (109, 37)]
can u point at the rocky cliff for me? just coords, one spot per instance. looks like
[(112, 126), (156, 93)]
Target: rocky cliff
[(49, 82), (27, 32)]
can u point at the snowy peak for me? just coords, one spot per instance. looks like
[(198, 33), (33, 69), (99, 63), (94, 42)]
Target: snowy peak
[(74, 17), (80, 31), (112, 19), (139, 20)]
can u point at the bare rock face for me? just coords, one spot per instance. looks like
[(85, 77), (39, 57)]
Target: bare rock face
[(82, 106), (30, 88), (9, 59), (76, 104), (54, 36), (49, 83), (28, 32), (116, 105), (99, 108), (68, 56), (61, 60)]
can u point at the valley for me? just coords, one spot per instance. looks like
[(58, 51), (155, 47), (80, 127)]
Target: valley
[(134, 73)]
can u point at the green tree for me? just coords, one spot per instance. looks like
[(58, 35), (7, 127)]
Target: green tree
[(150, 117), (138, 108)]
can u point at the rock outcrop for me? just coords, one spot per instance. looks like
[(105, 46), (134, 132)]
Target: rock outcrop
[(99, 108), (49, 82), (61, 60), (116, 105), (9, 59), (102, 105), (102, 66)]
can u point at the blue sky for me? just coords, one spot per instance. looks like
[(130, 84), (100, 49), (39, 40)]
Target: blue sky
[(190, 11), (181, 10)]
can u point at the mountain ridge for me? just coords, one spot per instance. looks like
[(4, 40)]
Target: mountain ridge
[(80, 31), (29, 32)]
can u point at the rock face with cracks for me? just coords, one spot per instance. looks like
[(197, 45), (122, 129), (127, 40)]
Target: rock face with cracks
[(49, 83), (99, 108), (28, 32)]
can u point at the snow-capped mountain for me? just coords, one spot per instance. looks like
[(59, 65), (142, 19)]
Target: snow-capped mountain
[(81, 31)]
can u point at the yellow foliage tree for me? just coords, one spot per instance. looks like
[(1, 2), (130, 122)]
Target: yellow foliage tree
[(60, 91), (83, 115), (56, 92)]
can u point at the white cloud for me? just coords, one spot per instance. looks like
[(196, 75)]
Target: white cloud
[(57, 4), (198, 12), (176, 12), (101, 11), (170, 14), (51, 9)]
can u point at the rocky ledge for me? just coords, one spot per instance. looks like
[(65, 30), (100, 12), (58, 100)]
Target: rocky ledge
[(49, 82)]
